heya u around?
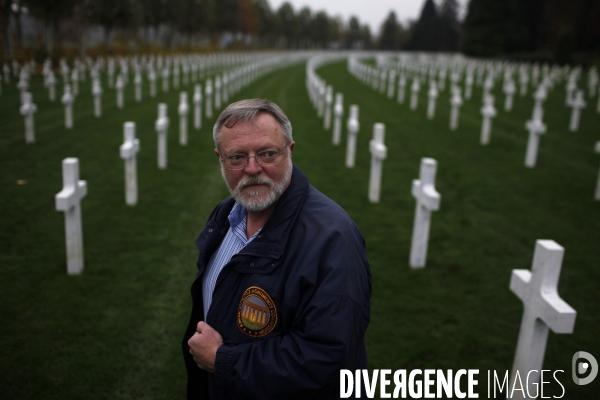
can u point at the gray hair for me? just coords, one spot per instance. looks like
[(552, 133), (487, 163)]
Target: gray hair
[(247, 111)]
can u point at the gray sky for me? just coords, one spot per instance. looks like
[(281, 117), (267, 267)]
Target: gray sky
[(372, 12)]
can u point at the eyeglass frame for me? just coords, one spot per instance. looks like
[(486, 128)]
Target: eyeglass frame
[(247, 157)]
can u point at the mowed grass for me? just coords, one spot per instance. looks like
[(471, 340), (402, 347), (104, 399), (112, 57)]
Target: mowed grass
[(115, 331)]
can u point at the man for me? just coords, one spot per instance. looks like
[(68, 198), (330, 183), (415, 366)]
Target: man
[(281, 298)]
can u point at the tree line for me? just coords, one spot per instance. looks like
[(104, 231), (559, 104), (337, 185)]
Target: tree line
[(541, 30), (531, 30), (176, 23)]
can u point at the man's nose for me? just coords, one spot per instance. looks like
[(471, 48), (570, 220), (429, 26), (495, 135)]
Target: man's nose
[(253, 166)]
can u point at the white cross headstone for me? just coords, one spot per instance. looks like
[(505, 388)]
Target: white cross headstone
[(183, 111), (338, 111), (97, 93), (391, 83), (51, 82), (198, 106), (23, 85), (378, 154), (218, 92), (442, 79), (128, 152), (401, 88), (27, 110), (176, 76), (162, 126), (111, 74), (68, 200), (152, 79), (208, 98), (488, 85), (414, 99), (328, 101), (524, 81), (543, 309), (539, 97), (536, 128), (119, 86), (469, 85), (353, 127), (185, 69), (577, 104), (6, 73), (75, 81), (225, 88), (432, 95), (570, 90), (321, 100), (597, 196), (67, 100), (165, 79), (509, 91), (488, 111), (382, 79), (455, 102), (137, 80), (428, 200)]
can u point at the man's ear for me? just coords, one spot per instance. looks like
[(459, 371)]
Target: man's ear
[(291, 146), (218, 154)]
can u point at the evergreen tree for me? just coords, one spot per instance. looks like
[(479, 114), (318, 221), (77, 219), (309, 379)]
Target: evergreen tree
[(366, 37), (287, 23), (493, 27), (304, 19), (389, 38), (353, 37), (425, 36), (448, 26), (321, 29)]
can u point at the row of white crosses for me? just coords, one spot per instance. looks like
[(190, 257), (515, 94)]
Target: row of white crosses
[(68, 97), (547, 79), (423, 189), (544, 309), (69, 198), (418, 69)]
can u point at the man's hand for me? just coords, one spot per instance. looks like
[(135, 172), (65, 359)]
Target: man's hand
[(204, 345)]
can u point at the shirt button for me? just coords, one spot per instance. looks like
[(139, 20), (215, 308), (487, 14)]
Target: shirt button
[(252, 264), (210, 230)]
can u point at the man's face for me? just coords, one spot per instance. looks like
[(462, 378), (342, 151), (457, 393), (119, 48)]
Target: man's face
[(256, 187)]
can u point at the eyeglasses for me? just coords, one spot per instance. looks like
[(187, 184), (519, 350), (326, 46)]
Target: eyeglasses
[(265, 158)]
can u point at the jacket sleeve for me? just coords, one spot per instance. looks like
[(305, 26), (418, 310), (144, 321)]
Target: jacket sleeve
[(327, 335)]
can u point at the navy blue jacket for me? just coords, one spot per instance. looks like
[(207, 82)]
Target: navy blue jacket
[(310, 260)]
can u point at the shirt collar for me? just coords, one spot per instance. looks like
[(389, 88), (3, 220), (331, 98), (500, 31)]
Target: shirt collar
[(237, 216), (237, 222)]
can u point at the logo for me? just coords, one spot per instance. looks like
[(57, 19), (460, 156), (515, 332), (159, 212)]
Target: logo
[(257, 315), (583, 367)]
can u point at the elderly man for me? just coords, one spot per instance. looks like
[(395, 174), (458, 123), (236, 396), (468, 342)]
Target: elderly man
[(281, 298)]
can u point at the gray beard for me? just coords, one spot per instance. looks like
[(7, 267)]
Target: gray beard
[(252, 201)]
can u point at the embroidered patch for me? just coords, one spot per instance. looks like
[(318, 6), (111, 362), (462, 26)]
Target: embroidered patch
[(257, 315)]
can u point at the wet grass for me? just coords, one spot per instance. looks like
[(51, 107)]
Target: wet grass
[(115, 331)]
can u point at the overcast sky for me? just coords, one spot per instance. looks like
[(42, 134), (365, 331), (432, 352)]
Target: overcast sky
[(372, 12)]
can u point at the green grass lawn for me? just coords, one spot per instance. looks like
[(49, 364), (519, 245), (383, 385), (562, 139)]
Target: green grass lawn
[(115, 331)]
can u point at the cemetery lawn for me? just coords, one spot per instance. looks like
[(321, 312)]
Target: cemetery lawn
[(115, 331)]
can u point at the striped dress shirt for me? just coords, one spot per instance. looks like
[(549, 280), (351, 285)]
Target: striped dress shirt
[(234, 241)]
